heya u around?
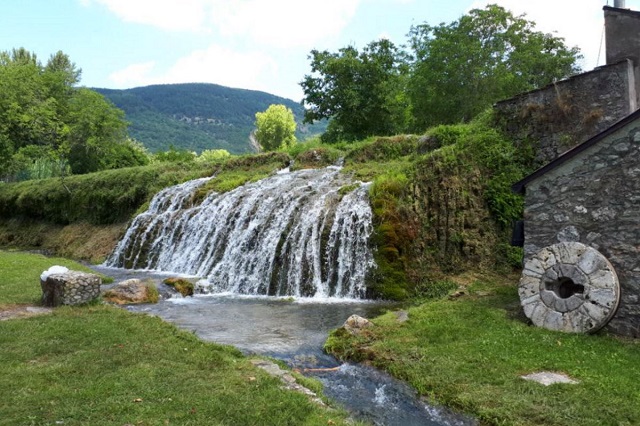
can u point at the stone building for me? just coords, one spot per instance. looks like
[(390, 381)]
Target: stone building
[(582, 209), (558, 117), (588, 197)]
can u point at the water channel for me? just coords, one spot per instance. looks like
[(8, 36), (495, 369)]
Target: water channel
[(294, 330)]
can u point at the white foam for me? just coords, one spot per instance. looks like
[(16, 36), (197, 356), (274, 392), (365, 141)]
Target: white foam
[(293, 234)]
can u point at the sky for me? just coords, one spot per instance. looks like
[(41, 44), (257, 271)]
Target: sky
[(251, 44)]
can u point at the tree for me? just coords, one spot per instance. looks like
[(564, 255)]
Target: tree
[(276, 128), (464, 67), (46, 119), (97, 132), (361, 92), (212, 155)]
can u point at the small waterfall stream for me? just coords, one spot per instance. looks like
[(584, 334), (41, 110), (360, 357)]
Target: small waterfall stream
[(303, 234)]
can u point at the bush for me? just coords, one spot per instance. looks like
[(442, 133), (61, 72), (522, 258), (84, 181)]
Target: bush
[(105, 197)]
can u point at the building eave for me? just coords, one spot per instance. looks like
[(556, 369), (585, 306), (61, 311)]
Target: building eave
[(519, 187)]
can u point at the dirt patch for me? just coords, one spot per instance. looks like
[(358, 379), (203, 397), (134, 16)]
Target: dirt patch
[(8, 312), (82, 241)]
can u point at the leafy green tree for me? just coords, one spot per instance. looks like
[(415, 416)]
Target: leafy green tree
[(462, 68), (96, 129), (276, 128), (212, 155), (174, 155), (47, 124), (361, 92), (59, 63)]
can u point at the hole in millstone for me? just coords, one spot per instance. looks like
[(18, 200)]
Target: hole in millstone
[(564, 287)]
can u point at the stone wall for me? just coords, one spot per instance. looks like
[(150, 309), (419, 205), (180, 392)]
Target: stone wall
[(70, 288), (549, 121), (594, 199)]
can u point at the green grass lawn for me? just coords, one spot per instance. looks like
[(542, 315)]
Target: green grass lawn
[(101, 365), (20, 275), (469, 353)]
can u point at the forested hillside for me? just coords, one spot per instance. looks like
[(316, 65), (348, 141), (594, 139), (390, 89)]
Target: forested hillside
[(198, 116)]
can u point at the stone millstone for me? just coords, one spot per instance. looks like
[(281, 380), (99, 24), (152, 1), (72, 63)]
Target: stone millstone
[(569, 287), (70, 288)]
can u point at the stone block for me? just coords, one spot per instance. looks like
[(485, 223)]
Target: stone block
[(70, 288)]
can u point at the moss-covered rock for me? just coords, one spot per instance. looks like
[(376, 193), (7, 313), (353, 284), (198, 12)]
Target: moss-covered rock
[(131, 292), (183, 286)]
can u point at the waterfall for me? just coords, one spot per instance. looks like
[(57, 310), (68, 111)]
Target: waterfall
[(292, 234)]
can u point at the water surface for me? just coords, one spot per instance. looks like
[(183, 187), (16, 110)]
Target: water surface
[(294, 330)]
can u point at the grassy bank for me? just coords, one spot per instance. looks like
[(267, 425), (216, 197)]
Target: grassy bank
[(469, 352), (100, 365), (20, 282)]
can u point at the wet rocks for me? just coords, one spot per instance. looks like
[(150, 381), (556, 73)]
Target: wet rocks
[(68, 288), (181, 285), (132, 291), (287, 379)]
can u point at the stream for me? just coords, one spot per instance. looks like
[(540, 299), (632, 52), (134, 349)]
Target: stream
[(294, 330)]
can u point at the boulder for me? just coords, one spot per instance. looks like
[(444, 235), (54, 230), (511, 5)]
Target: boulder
[(130, 292), (355, 324), (68, 288)]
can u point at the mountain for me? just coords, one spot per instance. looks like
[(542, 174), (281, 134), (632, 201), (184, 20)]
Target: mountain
[(198, 116)]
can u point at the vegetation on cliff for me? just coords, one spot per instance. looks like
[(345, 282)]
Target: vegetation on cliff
[(441, 201)]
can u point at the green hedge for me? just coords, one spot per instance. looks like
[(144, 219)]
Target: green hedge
[(99, 198)]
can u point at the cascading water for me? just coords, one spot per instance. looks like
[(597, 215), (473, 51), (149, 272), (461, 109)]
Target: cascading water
[(293, 234)]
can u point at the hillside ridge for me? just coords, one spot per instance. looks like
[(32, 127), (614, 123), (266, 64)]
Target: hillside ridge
[(198, 116)]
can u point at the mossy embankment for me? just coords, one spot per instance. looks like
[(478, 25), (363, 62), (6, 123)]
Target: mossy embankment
[(441, 201), (82, 217)]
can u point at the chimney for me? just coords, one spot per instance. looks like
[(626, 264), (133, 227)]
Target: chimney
[(622, 33)]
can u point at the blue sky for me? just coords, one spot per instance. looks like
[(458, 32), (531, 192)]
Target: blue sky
[(251, 44)]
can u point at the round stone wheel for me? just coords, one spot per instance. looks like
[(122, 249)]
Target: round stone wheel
[(569, 287)]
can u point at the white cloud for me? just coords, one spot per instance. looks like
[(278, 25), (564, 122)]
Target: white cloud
[(175, 15), (216, 64), (132, 75), (579, 22), (277, 23), (283, 23)]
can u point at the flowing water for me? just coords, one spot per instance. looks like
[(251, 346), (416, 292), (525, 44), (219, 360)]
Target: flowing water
[(283, 261), (293, 234)]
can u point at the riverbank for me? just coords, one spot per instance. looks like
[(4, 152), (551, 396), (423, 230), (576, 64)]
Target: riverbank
[(469, 350), (103, 365)]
